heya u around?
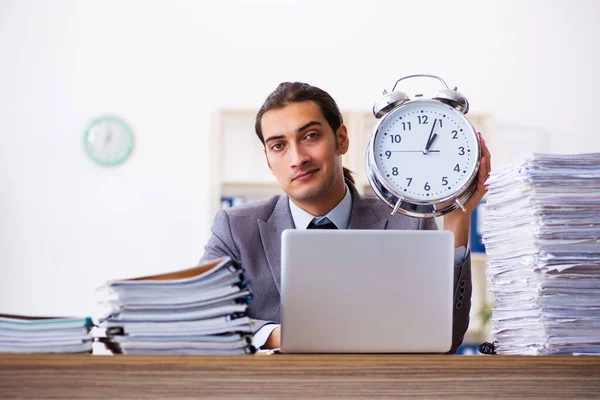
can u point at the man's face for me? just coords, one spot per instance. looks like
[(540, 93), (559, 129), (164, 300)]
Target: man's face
[(301, 151)]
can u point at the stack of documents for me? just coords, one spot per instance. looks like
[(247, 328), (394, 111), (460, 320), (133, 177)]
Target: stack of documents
[(22, 334), (201, 310), (542, 231)]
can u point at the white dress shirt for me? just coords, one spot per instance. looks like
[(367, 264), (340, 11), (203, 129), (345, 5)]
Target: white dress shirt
[(340, 216)]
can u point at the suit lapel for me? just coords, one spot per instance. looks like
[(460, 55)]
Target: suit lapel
[(363, 216), (270, 235)]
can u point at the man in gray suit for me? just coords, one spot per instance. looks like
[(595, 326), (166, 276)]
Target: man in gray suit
[(304, 138)]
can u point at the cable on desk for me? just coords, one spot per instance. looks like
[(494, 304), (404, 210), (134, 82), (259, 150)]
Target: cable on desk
[(488, 348)]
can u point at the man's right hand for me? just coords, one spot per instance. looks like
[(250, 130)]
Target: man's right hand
[(274, 340)]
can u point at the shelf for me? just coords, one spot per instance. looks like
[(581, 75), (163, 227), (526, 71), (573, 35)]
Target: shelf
[(238, 160), (250, 191)]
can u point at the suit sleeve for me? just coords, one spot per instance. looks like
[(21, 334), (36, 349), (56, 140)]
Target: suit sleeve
[(463, 289), (221, 241), (221, 244)]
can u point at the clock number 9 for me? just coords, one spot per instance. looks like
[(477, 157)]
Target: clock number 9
[(388, 154)]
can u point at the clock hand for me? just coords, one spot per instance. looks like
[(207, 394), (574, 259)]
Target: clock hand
[(108, 137), (430, 143), (412, 151), (429, 138)]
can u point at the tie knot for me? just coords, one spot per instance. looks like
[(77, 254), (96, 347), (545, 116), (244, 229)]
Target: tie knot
[(321, 223)]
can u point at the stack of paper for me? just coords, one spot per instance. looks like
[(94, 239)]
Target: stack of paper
[(201, 310), (542, 231), (22, 334)]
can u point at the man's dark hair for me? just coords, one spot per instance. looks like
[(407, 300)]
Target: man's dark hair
[(294, 92)]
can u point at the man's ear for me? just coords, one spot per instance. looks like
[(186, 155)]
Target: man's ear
[(267, 158), (343, 141)]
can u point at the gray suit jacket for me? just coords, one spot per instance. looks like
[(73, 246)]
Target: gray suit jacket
[(251, 235)]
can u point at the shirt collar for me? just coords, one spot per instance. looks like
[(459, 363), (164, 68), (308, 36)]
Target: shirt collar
[(340, 215)]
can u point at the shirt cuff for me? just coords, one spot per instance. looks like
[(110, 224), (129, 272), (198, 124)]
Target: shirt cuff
[(460, 256), (261, 336)]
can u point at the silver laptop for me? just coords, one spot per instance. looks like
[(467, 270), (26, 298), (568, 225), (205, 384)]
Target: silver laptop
[(366, 291)]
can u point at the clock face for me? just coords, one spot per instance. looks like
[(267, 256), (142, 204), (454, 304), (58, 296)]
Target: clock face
[(108, 140), (426, 151)]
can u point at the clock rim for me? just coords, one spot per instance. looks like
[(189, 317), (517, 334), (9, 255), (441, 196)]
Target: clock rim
[(90, 153)]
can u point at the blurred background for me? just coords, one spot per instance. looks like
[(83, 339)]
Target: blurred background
[(188, 78)]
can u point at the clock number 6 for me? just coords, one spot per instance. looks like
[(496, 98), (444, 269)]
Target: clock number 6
[(427, 187)]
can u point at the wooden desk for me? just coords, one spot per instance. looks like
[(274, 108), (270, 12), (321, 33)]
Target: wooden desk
[(299, 376)]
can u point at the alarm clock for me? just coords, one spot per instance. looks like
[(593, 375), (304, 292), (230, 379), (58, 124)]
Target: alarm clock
[(423, 155), (108, 140)]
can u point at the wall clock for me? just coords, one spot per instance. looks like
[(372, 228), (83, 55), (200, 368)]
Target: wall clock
[(108, 140)]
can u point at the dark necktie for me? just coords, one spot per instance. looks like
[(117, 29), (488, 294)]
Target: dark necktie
[(323, 223)]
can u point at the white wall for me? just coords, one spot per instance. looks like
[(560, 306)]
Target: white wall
[(66, 225)]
